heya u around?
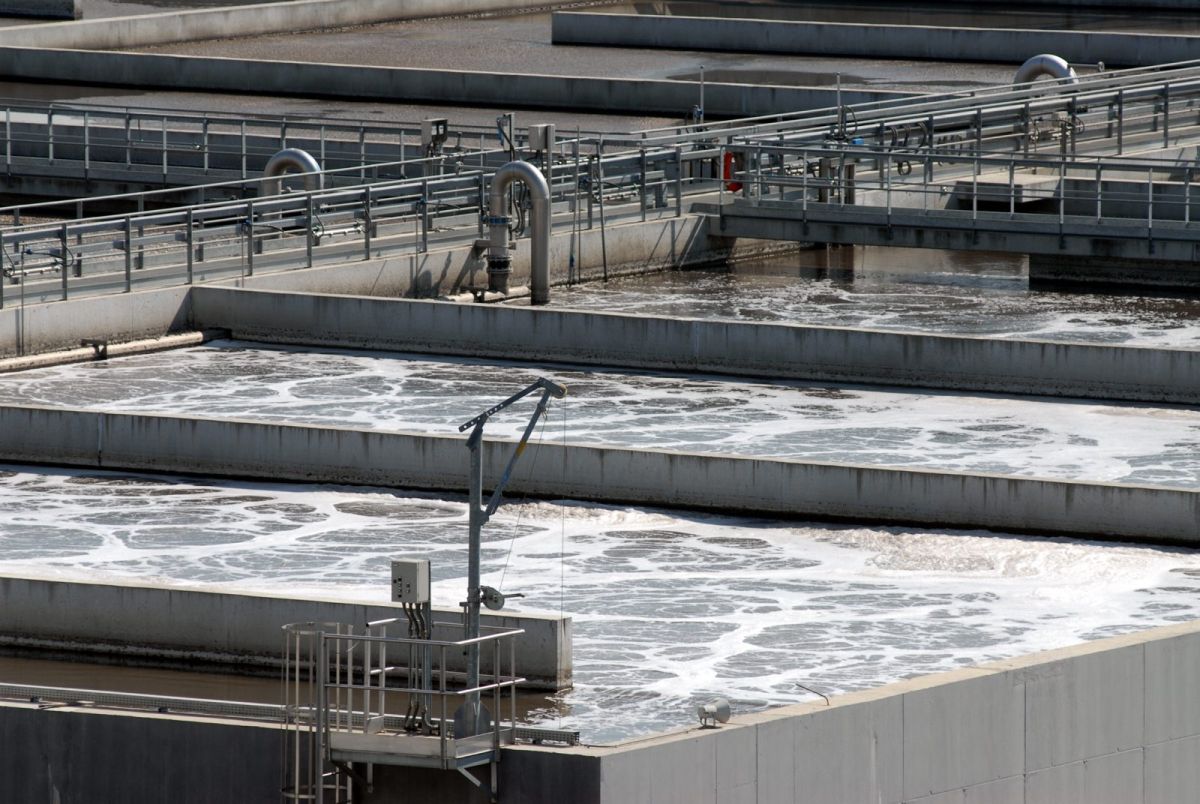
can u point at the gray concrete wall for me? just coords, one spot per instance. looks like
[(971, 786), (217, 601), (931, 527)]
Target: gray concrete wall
[(149, 622), (27, 329), (396, 84), (1115, 721), (869, 41), (69, 755), (727, 347), (46, 9), (219, 23), (760, 486)]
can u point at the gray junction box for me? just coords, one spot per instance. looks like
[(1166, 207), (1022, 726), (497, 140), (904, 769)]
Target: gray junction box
[(410, 580)]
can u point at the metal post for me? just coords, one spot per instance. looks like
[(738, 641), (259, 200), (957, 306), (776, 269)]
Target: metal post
[(128, 254), (642, 183), (308, 227), (189, 245), (2, 256), (64, 253), (1187, 197), (678, 181), (204, 139), (1120, 122), (1166, 94), (128, 141), (250, 243), (8, 139), (50, 134), (87, 147), (164, 151), (243, 127), (362, 153), (1150, 207), (424, 216), (1099, 191), (367, 223), (476, 521), (804, 187), (978, 138), (1012, 188)]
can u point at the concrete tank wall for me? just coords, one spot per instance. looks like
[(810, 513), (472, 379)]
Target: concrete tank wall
[(761, 486), (151, 622), (395, 84), (870, 41), (728, 347), (1115, 721), (47, 9), (219, 23)]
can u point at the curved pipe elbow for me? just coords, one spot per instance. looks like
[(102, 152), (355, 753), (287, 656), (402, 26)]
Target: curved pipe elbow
[(292, 160), (539, 192), (1045, 64)]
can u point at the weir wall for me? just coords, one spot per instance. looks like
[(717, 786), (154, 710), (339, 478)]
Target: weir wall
[(872, 41), (758, 486), (415, 85), (726, 347), (149, 622)]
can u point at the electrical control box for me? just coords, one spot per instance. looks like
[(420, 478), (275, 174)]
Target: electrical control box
[(410, 580), (541, 137), (434, 132)]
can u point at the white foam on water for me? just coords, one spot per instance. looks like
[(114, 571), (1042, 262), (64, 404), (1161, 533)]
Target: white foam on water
[(982, 298), (1043, 437), (670, 608)]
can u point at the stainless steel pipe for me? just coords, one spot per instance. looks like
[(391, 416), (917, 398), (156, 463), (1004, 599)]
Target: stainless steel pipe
[(1045, 64), (292, 160), (499, 260)]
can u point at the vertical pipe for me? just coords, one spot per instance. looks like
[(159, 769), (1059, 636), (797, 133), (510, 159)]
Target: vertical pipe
[(642, 183), (164, 151), (1099, 191), (1120, 121), (250, 240), (243, 134), (308, 227), (190, 241), (1166, 96), (87, 147), (475, 444), (424, 216), (62, 244), (367, 223), (128, 141), (50, 134), (8, 139), (204, 142), (3, 254), (1012, 188), (128, 254), (1187, 197), (362, 153), (678, 181)]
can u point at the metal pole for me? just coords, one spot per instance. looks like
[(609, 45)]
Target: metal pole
[(477, 516), (249, 226), (1120, 122), (128, 254), (678, 181), (308, 235), (189, 245), (64, 257), (1099, 191), (204, 137), (367, 223)]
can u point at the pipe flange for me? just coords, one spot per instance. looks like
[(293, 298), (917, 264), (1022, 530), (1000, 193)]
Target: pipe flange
[(496, 220)]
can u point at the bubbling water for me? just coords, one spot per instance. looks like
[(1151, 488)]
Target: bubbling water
[(1069, 439), (669, 609)]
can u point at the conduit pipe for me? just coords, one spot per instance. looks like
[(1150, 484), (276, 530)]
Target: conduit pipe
[(291, 160), (1045, 64), (499, 260)]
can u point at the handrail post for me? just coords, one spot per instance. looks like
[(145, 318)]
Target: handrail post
[(128, 254), (190, 241), (250, 242), (678, 180), (63, 239), (1150, 207), (308, 227), (1099, 190), (367, 223), (1012, 188)]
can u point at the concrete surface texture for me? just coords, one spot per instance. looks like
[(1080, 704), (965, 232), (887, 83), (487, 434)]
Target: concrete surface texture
[(602, 474), (217, 23), (172, 623), (868, 41)]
